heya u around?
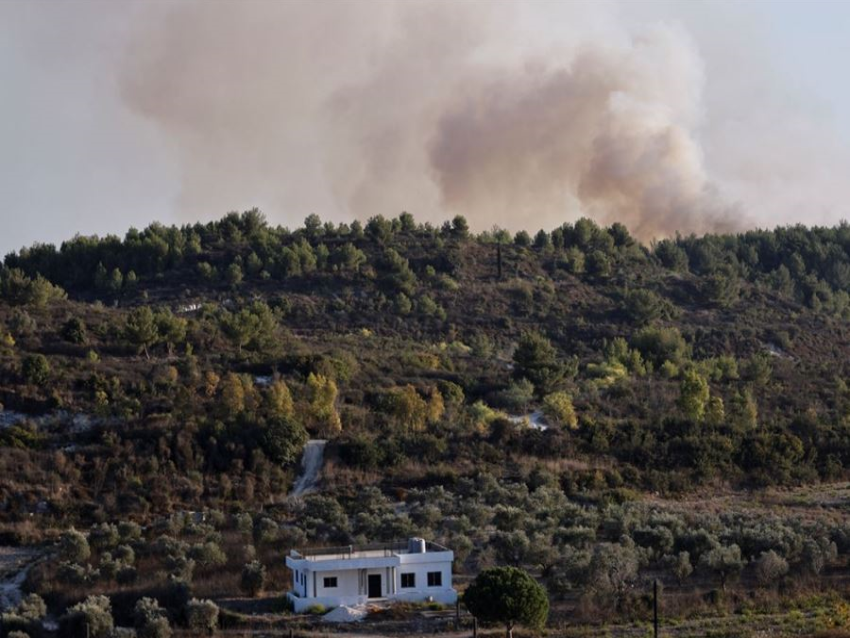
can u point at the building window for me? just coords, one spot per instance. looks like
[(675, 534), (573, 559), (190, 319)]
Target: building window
[(408, 580), (330, 581), (435, 579)]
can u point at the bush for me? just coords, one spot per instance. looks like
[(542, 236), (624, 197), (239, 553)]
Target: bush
[(74, 331), (91, 618), (150, 619), (74, 547), (770, 568), (207, 554), (202, 615), (558, 408), (36, 369), (103, 536), (253, 578), (32, 607)]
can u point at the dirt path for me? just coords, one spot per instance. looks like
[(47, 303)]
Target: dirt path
[(15, 563), (311, 466)]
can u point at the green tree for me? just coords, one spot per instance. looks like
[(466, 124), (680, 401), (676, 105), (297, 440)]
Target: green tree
[(116, 281), (744, 410), (536, 360), (599, 264), (349, 258), (671, 255), (91, 618), (509, 596), (726, 562), (202, 616), (313, 225), (661, 344), (715, 413), (681, 566), (74, 331), (233, 274), (170, 329), (150, 619), (721, 288), (140, 329), (460, 227), (253, 578), (574, 260), (542, 241), (693, 395), (36, 369), (558, 408), (73, 546), (770, 568), (283, 438), (644, 306)]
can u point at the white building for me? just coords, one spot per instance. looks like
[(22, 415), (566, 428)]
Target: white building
[(415, 571)]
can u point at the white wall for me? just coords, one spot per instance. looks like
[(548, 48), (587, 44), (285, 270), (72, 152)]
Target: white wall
[(348, 590), (421, 569), (347, 583)]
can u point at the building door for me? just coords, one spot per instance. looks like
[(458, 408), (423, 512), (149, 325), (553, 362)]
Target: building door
[(375, 586)]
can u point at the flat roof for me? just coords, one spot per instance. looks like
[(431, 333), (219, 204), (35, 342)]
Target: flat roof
[(375, 550)]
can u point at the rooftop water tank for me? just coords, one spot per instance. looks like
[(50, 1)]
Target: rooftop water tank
[(416, 546)]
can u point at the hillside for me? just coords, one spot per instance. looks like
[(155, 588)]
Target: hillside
[(208, 355)]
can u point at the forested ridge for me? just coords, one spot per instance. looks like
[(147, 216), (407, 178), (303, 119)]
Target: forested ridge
[(210, 353)]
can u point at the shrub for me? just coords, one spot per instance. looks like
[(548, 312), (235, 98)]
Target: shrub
[(129, 531), (558, 408), (202, 615), (207, 554), (770, 568), (36, 369), (73, 546), (253, 578), (32, 607), (726, 562), (91, 618), (74, 331), (150, 619)]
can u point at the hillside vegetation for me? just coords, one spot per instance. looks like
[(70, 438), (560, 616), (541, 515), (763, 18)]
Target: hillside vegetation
[(182, 369)]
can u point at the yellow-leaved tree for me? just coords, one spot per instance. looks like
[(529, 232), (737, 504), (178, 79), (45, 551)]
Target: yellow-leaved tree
[(322, 393), (558, 408)]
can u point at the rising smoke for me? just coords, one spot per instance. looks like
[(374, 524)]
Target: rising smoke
[(360, 108)]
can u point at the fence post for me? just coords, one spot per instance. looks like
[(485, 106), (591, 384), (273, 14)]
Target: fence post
[(474, 627)]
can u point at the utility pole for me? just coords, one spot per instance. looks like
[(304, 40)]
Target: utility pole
[(655, 607), (499, 258)]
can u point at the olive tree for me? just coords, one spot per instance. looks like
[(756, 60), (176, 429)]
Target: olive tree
[(253, 578), (726, 562), (202, 615)]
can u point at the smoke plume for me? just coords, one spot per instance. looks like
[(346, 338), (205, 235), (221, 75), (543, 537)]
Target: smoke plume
[(364, 108)]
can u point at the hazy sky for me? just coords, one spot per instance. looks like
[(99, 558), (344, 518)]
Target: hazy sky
[(671, 115)]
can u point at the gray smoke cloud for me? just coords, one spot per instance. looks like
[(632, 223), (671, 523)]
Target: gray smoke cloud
[(361, 108)]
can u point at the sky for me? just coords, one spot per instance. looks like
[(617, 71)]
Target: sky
[(669, 116)]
